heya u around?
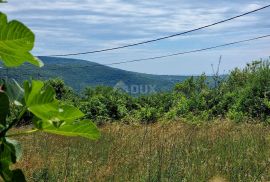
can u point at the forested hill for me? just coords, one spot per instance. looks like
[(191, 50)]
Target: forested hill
[(80, 73)]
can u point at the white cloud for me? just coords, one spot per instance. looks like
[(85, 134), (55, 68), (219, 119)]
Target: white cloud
[(149, 17), (72, 26), (251, 7)]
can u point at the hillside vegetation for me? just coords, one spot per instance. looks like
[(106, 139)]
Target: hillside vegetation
[(242, 96), (79, 74)]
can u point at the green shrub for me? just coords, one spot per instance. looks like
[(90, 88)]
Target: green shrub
[(147, 115), (236, 116), (242, 95)]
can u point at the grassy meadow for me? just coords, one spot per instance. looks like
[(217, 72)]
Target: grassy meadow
[(221, 151)]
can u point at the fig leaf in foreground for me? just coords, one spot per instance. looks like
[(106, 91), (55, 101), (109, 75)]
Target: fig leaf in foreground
[(16, 42)]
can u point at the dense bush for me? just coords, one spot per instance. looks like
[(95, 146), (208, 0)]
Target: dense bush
[(243, 95), (246, 91), (106, 104), (62, 91)]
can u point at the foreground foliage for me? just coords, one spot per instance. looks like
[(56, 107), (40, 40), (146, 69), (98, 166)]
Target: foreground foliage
[(156, 152), (48, 114)]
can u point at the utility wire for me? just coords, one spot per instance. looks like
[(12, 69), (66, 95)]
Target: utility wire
[(161, 38), (170, 55), (188, 52)]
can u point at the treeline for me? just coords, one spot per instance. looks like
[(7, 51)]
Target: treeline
[(243, 96)]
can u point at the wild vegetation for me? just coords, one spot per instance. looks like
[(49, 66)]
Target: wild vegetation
[(221, 151), (199, 131), (196, 132), (242, 96), (48, 114)]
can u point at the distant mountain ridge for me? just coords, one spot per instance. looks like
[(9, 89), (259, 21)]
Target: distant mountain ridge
[(79, 74)]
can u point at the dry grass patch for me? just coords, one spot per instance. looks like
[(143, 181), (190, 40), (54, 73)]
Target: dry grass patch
[(158, 152)]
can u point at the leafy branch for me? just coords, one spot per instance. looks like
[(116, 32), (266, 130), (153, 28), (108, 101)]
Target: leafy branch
[(51, 115)]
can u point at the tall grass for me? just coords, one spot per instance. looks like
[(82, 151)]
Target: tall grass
[(159, 152)]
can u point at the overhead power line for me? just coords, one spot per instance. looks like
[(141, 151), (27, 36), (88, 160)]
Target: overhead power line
[(171, 55), (161, 38), (188, 52)]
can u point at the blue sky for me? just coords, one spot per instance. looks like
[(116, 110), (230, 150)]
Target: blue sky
[(66, 26)]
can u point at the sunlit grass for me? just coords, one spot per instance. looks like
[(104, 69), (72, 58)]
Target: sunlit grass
[(159, 152)]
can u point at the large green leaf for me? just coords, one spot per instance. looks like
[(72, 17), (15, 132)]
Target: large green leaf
[(5, 172), (85, 128), (55, 117), (56, 112), (37, 95), (4, 108), (14, 91), (15, 147), (16, 42), (9, 175), (10, 151), (41, 102), (17, 175)]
